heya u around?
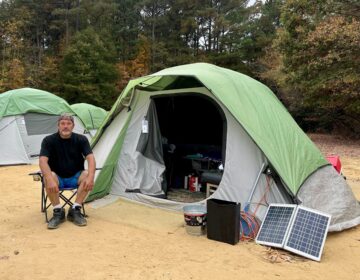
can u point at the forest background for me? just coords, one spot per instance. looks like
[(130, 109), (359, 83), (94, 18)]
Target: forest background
[(307, 52)]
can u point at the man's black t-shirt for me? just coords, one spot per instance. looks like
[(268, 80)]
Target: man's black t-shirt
[(66, 156)]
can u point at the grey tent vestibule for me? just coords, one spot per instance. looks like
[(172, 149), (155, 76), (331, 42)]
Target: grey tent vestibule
[(202, 108), (27, 115)]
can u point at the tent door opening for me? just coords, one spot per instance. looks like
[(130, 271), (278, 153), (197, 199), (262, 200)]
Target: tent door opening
[(193, 138)]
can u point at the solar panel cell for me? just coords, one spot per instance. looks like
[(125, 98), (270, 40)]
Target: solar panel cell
[(307, 233), (275, 225)]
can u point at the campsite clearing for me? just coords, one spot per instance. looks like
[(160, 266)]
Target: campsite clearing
[(126, 240)]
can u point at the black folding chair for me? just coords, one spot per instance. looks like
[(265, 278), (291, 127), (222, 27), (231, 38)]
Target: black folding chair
[(66, 195)]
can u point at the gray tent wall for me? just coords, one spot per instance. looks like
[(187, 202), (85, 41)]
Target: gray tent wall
[(21, 136), (12, 150), (325, 190), (136, 172)]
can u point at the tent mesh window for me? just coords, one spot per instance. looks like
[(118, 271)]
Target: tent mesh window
[(37, 124)]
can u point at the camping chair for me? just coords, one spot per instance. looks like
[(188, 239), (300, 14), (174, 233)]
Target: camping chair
[(66, 195)]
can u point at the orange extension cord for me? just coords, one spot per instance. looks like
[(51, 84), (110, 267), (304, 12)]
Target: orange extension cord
[(250, 219)]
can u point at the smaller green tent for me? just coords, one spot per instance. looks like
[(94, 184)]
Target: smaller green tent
[(92, 116), (27, 115), (30, 100)]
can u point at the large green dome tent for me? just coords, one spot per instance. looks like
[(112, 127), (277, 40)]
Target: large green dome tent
[(207, 110), (27, 115)]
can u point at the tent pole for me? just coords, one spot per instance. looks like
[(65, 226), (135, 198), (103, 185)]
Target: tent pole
[(247, 206), (92, 121)]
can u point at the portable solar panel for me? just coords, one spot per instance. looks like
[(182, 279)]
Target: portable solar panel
[(276, 224), (307, 233)]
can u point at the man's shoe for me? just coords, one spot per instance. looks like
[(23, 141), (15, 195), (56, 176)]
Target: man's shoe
[(57, 219), (75, 216)]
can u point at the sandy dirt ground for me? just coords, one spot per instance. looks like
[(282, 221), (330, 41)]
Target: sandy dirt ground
[(126, 240)]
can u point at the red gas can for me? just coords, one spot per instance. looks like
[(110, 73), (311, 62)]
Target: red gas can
[(193, 181)]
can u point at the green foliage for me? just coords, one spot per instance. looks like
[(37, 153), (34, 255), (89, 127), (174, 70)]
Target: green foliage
[(260, 29), (332, 74), (137, 67), (48, 74), (14, 76), (320, 54), (125, 28), (88, 73), (306, 51)]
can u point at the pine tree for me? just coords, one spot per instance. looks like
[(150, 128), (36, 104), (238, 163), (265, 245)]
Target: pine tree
[(88, 72)]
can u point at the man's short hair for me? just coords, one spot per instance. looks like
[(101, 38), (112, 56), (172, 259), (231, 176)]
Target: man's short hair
[(66, 116)]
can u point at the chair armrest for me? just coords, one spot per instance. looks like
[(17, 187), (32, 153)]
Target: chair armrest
[(35, 173), (37, 176)]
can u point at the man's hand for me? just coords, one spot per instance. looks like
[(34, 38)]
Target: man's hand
[(50, 182), (88, 183), (51, 185)]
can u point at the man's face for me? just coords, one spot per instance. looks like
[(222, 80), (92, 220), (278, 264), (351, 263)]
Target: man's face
[(65, 128)]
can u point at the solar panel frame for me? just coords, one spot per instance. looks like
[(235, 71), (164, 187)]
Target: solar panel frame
[(265, 235), (311, 234)]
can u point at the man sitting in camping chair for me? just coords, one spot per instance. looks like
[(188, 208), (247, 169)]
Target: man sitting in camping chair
[(62, 165)]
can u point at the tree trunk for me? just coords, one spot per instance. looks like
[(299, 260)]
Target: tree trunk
[(77, 15)]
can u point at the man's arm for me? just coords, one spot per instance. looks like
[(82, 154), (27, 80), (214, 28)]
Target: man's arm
[(50, 183), (89, 182)]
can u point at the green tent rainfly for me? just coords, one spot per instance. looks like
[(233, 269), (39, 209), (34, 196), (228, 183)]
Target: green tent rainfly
[(92, 116), (29, 100)]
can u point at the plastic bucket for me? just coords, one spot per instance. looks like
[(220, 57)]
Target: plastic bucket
[(195, 219)]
